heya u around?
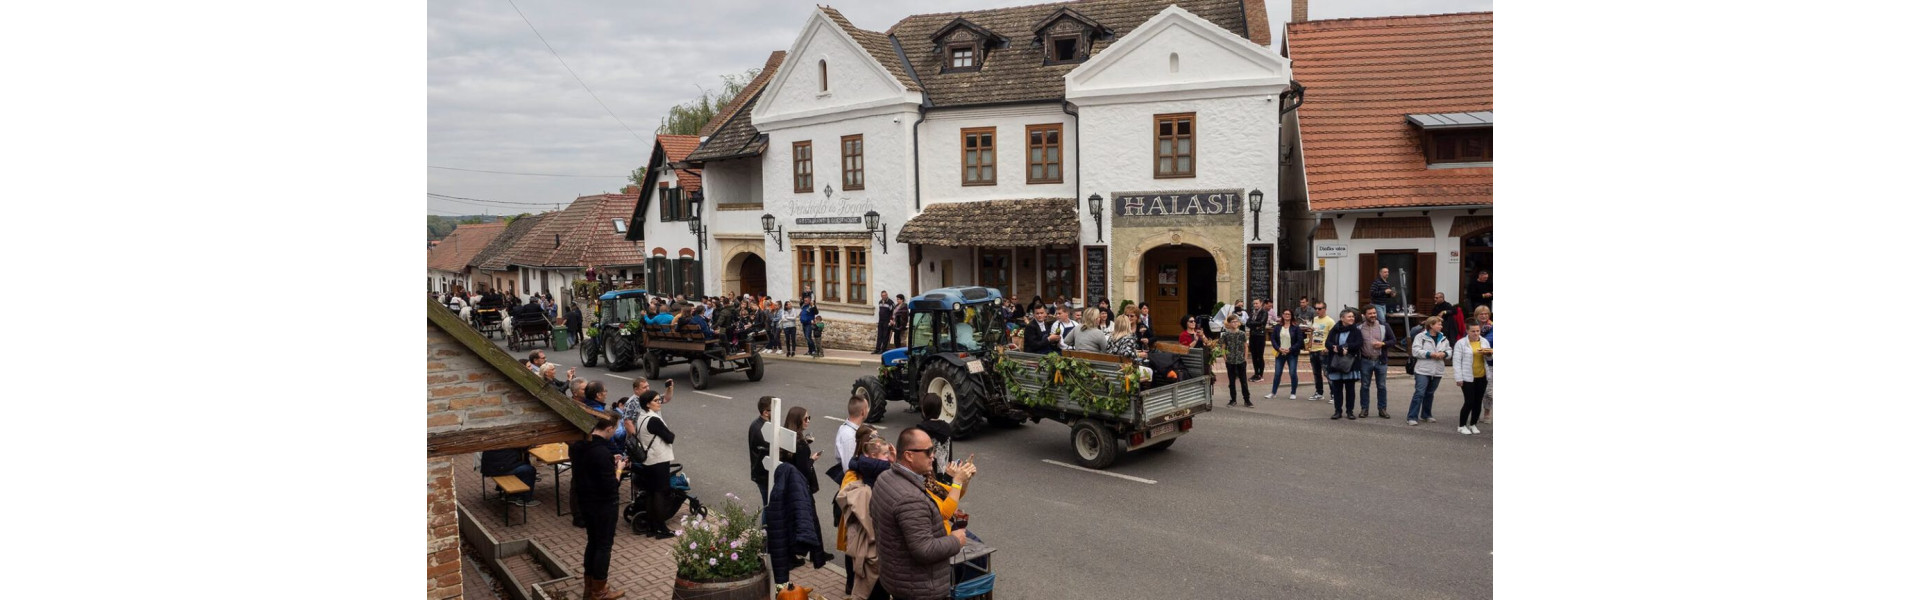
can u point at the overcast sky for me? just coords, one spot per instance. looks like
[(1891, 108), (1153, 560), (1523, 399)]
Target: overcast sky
[(498, 100)]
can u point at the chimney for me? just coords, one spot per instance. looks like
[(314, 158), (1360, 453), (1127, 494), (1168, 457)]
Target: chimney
[(630, 190), (1299, 11)]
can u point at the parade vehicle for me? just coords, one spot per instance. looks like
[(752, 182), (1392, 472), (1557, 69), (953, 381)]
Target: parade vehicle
[(529, 326), (956, 351), (487, 320), (953, 339), (616, 336), (664, 345)]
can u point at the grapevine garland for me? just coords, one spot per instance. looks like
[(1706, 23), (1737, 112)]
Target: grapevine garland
[(1076, 378)]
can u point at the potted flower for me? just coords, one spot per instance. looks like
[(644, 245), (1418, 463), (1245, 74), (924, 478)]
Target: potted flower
[(718, 556)]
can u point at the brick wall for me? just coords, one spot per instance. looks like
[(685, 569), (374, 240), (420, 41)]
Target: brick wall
[(844, 335), (443, 532), (465, 392)]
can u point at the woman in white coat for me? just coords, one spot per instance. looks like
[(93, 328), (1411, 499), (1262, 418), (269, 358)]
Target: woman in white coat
[(1472, 371), (1431, 347)]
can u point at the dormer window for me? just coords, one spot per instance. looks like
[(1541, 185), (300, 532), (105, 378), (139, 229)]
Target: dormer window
[(1066, 36), (1455, 139), (1063, 48), (962, 57)]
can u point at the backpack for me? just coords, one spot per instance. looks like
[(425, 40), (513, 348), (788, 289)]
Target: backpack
[(636, 449)]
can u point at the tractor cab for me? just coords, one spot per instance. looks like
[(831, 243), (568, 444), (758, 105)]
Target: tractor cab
[(622, 306)]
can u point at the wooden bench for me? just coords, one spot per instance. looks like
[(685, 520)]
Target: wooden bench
[(510, 485)]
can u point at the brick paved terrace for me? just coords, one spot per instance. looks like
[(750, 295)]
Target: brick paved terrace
[(642, 566)]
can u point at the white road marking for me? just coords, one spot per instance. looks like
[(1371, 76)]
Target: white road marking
[(1080, 468), (620, 377), (874, 426), (714, 395)]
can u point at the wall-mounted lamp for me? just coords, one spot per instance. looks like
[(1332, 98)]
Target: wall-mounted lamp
[(878, 229), (1254, 199), (1093, 208), (777, 233)]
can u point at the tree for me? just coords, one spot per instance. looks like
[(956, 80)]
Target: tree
[(687, 118), (638, 177)]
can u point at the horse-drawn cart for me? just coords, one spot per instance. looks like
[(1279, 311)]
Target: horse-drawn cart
[(663, 345)]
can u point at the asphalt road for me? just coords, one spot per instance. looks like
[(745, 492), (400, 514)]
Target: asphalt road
[(1273, 502)]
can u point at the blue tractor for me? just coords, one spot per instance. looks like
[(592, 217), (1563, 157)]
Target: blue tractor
[(954, 340), (622, 350)]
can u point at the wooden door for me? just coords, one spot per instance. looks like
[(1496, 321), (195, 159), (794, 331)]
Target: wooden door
[(1426, 270), (946, 273), (996, 271), (1369, 271), (1166, 293)]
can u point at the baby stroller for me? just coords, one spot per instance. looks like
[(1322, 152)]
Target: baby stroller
[(679, 491)]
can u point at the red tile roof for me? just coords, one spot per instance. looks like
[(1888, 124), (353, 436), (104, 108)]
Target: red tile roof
[(1363, 77), (585, 236), (459, 247), (678, 147)]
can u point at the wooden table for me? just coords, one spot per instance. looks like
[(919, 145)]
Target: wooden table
[(556, 456)]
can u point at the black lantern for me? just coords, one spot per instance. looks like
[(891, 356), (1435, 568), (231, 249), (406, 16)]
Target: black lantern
[(1254, 199), (1093, 208), (693, 222), (777, 233), (878, 229)]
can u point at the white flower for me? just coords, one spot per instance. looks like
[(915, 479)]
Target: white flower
[(713, 561), (692, 546)]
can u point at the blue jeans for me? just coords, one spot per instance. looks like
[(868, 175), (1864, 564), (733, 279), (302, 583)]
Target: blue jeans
[(1282, 363), (812, 333), (1372, 371), (1421, 406)]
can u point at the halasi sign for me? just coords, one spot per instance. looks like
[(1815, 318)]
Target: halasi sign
[(1139, 205)]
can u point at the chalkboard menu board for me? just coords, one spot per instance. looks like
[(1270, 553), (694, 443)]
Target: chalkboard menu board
[(1096, 265), (1260, 271)]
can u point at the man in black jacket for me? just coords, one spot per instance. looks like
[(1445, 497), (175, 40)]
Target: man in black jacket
[(511, 461), (1036, 336), (1479, 293), (596, 466), (883, 334), (1257, 337), (1381, 293), (757, 448)]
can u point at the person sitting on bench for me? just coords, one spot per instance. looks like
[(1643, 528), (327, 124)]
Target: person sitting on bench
[(693, 316), (655, 316), (511, 461)]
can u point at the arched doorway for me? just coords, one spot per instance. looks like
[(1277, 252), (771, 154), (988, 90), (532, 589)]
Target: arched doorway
[(746, 272), (1176, 281), (753, 275)]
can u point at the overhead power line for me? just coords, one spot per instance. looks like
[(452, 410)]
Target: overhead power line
[(576, 76), (531, 174), (485, 201)]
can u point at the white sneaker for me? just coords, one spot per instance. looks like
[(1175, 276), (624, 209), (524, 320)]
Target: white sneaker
[(1432, 420), (1412, 422), (1473, 428), (1291, 397), (1269, 396), (1463, 431)]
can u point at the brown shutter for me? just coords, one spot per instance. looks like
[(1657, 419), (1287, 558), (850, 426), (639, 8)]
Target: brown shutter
[(1424, 266), (1369, 266)]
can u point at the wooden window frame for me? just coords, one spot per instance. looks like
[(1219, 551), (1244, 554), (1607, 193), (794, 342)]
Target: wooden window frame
[(1058, 146), (1193, 146), (1071, 281), (853, 162), (989, 157), (807, 163), (955, 48), (830, 265), (980, 268), (1434, 140), (857, 285), (804, 265), (1080, 50)]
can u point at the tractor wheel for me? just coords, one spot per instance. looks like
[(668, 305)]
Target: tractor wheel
[(702, 373), (876, 395), (620, 353), (756, 367), (963, 399), (1093, 445), (651, 364), (590, 352)]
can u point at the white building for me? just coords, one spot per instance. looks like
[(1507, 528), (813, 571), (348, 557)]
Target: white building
[(961, 136)]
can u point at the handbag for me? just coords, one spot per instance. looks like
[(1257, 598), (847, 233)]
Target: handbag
[(636, 450), (1342, 363)]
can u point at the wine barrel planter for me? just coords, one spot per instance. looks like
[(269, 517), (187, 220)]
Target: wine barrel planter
[(751, 587)]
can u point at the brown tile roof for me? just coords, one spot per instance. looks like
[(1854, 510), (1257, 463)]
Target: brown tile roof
[(459, 247), (496, 254), (877, 45), (677, 148), (995, 223), (1363, 77), (731, 132), (585, 235), (1017, 73)]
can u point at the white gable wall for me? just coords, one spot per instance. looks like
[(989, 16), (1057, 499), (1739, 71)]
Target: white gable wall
[(942, 170), (854, 79)]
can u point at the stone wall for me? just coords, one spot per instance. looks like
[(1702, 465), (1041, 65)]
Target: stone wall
[(443, 532), (465, 392), (846, 335)]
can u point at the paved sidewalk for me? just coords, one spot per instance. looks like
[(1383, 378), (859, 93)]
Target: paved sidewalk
[(641, 565), (851, 358)]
